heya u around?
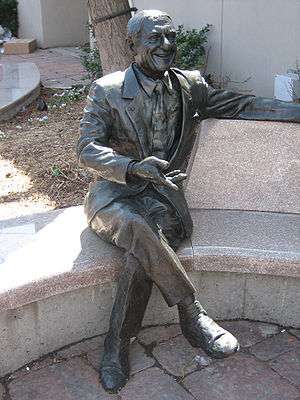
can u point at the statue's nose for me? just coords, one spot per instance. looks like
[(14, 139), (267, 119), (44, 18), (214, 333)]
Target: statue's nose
[(165, 42)]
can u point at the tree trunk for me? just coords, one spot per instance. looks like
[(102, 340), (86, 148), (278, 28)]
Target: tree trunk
[(111, 34)]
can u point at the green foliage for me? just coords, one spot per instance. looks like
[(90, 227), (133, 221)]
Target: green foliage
[(191, 52), (90, 60), (61, 99), (9, 15), (56, 171)]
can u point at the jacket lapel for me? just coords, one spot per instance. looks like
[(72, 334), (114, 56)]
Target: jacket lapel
[(133, 94), (186, 111)]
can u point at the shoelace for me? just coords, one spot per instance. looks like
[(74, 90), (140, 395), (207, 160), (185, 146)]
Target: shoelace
[(193, 310)]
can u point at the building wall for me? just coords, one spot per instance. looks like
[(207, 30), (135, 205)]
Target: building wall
[(64, 22), (54, 22), (30, 20), (254, 39)]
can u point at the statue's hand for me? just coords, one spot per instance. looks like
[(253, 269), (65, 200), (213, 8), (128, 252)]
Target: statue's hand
[(176, 176), (151, 168)]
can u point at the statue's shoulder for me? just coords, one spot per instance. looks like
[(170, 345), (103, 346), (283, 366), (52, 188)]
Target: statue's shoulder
[(107, 86), (192, 77), (111, 81)]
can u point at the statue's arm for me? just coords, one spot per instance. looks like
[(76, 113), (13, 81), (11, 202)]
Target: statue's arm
[(263, 109), (96, 129), (227, 104)]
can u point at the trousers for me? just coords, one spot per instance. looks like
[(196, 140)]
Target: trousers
[(149, 230)]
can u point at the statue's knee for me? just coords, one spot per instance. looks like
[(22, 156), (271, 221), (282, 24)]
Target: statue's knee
[(134, 267), (138, 224)]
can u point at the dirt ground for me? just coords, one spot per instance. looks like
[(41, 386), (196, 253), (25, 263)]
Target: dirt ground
[(38, 166)]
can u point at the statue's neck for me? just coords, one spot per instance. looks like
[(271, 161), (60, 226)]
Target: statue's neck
[(151, 74)]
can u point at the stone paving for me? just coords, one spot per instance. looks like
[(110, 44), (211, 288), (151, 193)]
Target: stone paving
[(59, 67), (165, 367)]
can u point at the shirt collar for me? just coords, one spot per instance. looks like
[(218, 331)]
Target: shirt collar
[(148, 84)]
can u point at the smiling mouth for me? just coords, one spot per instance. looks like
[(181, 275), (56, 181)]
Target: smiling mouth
[(166, 55)]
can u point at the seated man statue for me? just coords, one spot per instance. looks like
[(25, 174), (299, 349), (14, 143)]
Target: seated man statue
[(136, 134)]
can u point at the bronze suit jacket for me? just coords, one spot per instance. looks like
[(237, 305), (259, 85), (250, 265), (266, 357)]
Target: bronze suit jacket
[(113, 132)]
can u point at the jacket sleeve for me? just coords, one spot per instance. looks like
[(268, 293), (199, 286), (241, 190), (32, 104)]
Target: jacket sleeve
[(227, 104), (96, 129), (217, 103)]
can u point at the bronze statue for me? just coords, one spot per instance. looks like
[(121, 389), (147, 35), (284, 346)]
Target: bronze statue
[(136, 133)]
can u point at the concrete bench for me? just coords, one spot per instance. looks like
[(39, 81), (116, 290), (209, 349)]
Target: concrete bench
[(58, 279)]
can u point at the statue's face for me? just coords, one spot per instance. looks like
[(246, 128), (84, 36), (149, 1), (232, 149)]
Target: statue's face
[(156, 47)]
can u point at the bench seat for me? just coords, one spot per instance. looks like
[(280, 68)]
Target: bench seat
[(56, 252)]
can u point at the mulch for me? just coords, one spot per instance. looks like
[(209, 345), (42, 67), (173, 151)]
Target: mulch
[(38, 156)]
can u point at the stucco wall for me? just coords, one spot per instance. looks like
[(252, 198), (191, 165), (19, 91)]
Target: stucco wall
[(254, 39), (30, 20), (64, 22), (54, 22)]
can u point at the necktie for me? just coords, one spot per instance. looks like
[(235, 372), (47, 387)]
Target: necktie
[(159, 122)]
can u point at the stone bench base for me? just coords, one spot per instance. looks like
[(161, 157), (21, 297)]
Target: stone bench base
[(58, 279)]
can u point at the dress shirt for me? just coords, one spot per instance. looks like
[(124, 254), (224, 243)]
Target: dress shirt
[(161, 130)]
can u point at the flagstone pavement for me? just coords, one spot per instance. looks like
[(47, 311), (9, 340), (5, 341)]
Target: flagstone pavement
[(59, 67), (165, 367)]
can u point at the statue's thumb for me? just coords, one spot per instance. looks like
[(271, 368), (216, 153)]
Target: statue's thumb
[(162, 164)]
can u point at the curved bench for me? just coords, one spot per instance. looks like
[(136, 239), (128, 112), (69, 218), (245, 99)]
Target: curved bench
[(19, 86), (57, 279)]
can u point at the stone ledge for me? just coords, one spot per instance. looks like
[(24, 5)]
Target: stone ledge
[(247, 242), (55, 253), (19, 86), (246, 261)]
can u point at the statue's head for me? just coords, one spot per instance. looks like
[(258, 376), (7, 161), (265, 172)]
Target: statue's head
[(152, 38)]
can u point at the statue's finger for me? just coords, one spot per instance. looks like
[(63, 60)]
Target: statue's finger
[(161, 180), (169, 183), (173, 173), (179, 177)]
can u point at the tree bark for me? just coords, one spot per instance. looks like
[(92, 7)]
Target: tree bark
[(111, 34)]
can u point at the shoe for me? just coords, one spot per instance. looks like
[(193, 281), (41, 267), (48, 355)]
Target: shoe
[(112, 378), (114, 368), (201, 331)]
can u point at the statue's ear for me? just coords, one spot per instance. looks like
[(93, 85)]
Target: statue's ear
[(131, 45)]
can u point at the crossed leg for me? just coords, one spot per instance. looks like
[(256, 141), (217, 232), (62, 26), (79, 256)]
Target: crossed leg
[(145, 228)]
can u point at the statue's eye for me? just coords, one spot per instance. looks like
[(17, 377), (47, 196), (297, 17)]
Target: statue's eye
[(171, 36), (155, 36)]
